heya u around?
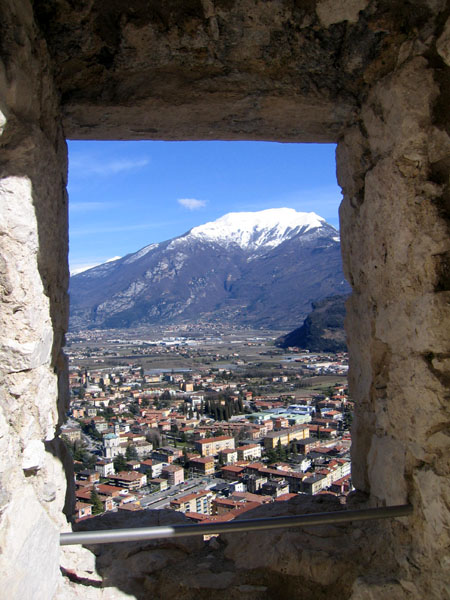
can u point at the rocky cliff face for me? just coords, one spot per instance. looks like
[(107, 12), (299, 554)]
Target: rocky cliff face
[(259, 269), (322, 330)]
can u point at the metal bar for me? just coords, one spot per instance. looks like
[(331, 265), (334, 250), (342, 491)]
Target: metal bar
[(108, 536)]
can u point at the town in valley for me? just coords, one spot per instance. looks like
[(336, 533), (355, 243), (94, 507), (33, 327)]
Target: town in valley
[(203, 419)]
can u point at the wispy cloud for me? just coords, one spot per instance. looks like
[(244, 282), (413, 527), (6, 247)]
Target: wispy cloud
[(191, 203), (82, 207), (88, 165), (96, 230)]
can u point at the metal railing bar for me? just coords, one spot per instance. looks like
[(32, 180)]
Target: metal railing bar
[(108, 536)]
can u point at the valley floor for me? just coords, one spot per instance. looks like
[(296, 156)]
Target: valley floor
[(206, 421)]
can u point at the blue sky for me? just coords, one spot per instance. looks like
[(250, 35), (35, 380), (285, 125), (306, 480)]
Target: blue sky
[(125, 195)]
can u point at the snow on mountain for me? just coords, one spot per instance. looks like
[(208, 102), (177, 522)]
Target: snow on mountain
[(260, 268), (252, 230), (137, 255), (100, 268)]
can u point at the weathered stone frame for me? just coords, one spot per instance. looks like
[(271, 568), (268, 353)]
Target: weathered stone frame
[(393, 165)]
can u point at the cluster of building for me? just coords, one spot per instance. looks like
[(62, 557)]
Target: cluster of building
[(278, 446)]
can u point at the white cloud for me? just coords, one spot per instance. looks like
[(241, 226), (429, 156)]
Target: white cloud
[(80, 267), (98, 229), (191, 203), (81, 207), (85, 165)]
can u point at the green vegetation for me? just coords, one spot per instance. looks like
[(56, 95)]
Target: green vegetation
[(97, 505), (83, 459), (131, 453), (221, 407), (89, 429), (120, 463)]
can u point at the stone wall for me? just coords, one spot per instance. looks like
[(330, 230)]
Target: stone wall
[(395, 231), (33, 317), (372, 76)]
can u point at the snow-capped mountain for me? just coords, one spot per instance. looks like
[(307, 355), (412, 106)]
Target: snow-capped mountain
[(262, 268), (253, 230)]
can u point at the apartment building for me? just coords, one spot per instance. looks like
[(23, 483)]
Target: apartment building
[(105, 467), (173, 473), (229, 456), (131, 480), (285, 436), (166, 454), (249, 452), (203, 465), (199, 502), (212, 446)]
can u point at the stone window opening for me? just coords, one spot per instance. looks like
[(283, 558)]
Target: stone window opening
[(369, 76), (95, 158)]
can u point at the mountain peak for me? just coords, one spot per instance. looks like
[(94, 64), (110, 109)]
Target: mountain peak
[(251, 230), (253, 268)]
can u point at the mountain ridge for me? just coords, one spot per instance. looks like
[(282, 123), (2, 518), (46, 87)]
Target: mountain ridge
[(261, 268), (322, 330)]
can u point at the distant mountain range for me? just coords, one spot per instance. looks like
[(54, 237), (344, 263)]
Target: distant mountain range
[(261, 269), (322, 330)]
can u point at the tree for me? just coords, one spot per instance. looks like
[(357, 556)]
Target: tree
[(82, 455), (243, 434), (131, 453), (79, 453), (271, 456), (280, 451), (134, 408), (154, 437), (97, 505), (108, 412), (90, 460), (347, 418), (90, 430), (120, 464)]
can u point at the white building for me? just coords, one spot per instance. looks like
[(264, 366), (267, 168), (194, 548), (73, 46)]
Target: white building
[(105, 468), (111, 445), (249, 452)]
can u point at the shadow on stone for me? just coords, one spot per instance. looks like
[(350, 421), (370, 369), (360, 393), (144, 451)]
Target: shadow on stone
[(309, 562)]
